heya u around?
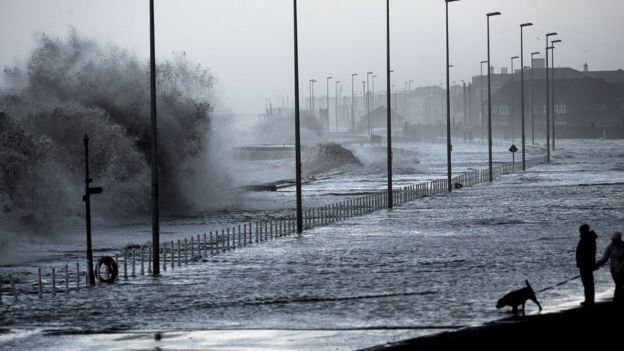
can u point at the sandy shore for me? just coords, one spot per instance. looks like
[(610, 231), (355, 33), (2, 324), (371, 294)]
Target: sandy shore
[(600, 326)]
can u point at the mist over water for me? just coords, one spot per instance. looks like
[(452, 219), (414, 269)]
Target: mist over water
[(74, 85)]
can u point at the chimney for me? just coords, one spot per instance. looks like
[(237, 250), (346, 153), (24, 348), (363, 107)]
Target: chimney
[(585, 67)]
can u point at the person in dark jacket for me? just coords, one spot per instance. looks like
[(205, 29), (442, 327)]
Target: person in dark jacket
[(586, 262), (615, 253)]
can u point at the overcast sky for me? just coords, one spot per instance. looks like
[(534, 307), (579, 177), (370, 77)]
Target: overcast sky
[(247, 44)]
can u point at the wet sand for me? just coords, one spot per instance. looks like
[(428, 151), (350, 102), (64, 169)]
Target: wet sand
[(600, 326)]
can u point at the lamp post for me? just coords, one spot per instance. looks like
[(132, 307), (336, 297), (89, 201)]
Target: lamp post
[(297, 127), (406, 96), (310, 95), (548, 99), (511, 107), (392, 88), (522, 26), (368, 74), (491, 14), (312, 81), (363, 92), (554, 115), (532, 99), (373, 80), (388, 100), (481, 107), (409, 100), (336, 110), (154, 150), (449, 146), (327, 97), (327, 102), (353, 104)]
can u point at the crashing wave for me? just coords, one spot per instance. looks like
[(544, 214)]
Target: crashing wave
[(74, 86)]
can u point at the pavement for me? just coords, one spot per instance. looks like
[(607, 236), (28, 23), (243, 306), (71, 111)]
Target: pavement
[(599, 326)]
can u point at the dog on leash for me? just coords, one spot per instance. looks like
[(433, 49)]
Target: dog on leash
[(519, 297)]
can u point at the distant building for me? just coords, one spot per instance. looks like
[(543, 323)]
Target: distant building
[(378, 120), (587, 104)]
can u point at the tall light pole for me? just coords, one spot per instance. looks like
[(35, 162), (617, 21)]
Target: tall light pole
[(327, 103), (409, 100), (312, 81), (154, 149), (511, 107), (548, 99), (389, 111), (336, 110), (481, 107), (327, 97), (406, 96), (449, 146), (490, 96), (297, 127), (373, 80), (353, 104), (532, 98), (363, 92), (367, 99), (554, 115), (522, 26)]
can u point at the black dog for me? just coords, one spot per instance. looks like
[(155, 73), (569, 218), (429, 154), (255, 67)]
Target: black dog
[(518, 297)]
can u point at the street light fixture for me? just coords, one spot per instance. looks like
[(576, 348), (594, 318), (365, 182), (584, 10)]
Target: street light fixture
[(154, 151), (449, 146), (491, 14), (532, 99), (522, 26), (353, 104), (312, 81), (336, 110), (367, 101), (389, 103), (511, 107), (548, 99), (409, 99), (373, 80), (297, 126), (481, 107), (327, 102), (554, 116)]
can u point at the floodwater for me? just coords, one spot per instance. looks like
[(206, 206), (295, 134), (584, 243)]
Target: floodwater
[(434, 264)]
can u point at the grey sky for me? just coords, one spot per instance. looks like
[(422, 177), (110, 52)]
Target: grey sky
[(248, 44)]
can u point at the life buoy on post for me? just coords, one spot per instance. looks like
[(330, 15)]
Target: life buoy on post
[(106, 270)]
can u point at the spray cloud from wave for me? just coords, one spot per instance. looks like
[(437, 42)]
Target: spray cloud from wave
[(72, 86)]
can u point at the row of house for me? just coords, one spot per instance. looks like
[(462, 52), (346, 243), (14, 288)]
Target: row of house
[(586, 104)]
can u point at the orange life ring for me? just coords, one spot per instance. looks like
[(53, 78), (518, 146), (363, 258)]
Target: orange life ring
[(110, 270)]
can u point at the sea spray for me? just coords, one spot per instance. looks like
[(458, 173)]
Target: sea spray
[(72, 86)]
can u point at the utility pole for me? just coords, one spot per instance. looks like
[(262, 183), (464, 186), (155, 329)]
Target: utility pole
[(87, 200), (297, 127), (154, 149), (389, 115), (353, 104), (522, 26)]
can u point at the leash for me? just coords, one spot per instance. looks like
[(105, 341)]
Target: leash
[(559, 284)]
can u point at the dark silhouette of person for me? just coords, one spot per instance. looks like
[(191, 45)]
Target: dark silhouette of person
[(615, 253), (586, 262)]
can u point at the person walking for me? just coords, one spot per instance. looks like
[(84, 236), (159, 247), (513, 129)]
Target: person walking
[(586, 262), (615, 253)]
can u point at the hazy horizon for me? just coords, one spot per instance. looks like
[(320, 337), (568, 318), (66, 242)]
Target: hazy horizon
[(247, 45)]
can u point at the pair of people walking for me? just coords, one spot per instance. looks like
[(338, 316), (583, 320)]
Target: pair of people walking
[(587, 264)]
